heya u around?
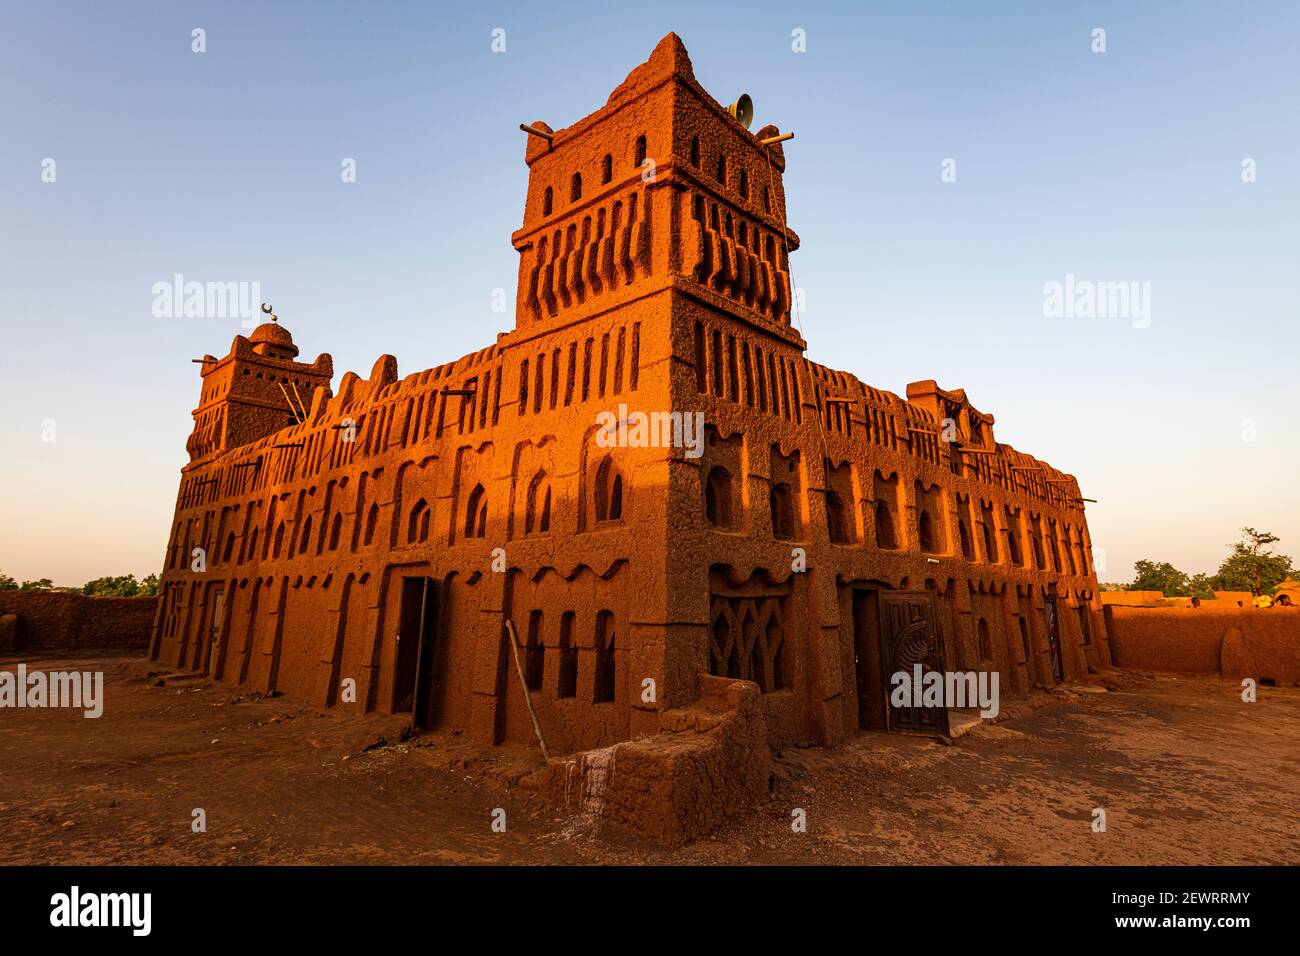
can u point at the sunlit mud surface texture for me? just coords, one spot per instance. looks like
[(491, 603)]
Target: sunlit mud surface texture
[(1185, 772)]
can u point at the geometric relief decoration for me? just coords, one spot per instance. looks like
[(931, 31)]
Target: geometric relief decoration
[(746, 636)]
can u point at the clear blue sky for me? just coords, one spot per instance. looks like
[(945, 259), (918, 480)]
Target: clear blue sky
[(225, 166)]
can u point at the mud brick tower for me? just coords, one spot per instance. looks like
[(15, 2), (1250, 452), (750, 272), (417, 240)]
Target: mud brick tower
[(829, 534)]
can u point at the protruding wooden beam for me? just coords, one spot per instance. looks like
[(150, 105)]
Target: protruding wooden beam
[(776, 139), (534, 131)]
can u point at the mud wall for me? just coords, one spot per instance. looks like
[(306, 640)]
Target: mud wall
[(710, 761), (1235, 642), (57, 620), (1133, 598)]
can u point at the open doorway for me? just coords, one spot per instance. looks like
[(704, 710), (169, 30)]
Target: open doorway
[(872, 701), (1054, 639), (216, 619), (416, 630)]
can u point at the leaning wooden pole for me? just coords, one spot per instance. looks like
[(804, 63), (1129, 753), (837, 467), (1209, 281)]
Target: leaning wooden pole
[(528, 698), (298, 419), (301, 407)]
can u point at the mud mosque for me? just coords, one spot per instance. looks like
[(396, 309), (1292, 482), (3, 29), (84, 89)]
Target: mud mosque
[(829, 533)]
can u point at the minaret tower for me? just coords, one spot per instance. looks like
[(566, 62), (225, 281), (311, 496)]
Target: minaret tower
[(663, 186), (257, 389), (654, 239)]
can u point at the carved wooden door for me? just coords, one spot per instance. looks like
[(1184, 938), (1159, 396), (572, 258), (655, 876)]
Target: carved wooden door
[(910, 635)]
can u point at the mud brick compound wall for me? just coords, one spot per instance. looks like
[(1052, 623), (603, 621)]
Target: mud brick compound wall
[(1263, 643), (57, 620)]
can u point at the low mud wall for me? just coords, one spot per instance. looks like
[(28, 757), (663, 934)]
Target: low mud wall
[(1263, 643), (709, 761), (59, 621)]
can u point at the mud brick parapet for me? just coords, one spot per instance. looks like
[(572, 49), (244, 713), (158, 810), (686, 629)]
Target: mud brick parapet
[(58, 620), (1263, 643)]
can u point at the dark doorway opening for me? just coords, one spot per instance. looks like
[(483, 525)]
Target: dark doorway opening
[(866, 657), (1054, 639), (416, 629), (214, 628)]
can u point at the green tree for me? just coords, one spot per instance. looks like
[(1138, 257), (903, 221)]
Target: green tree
[(41, 584), (1252, 564), (7, 583), (124, 585), (1202, 586), (1162, 577)]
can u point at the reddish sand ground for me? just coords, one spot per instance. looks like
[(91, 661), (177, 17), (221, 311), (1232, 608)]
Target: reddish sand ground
[(1186, 772)]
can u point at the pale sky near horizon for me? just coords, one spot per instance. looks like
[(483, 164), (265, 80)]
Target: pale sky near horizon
[(225, 166)]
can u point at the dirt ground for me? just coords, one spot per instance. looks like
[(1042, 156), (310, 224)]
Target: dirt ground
[(1185, 772)]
